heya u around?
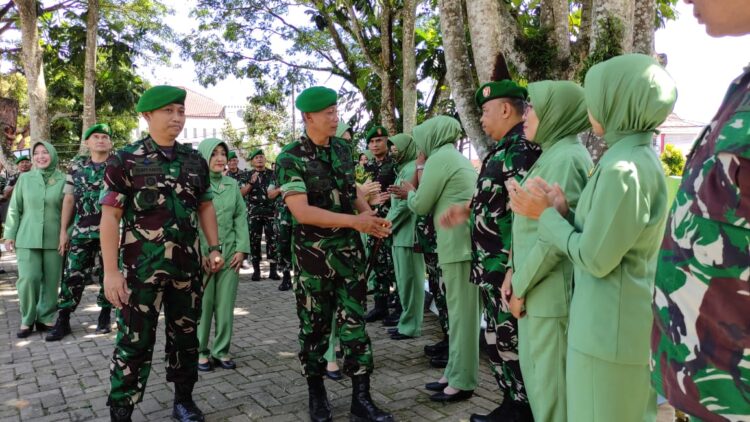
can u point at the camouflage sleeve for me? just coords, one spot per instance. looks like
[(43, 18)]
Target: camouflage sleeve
[(204, 194), (291, 173), (69, 183), (117, 184), (724, 192)]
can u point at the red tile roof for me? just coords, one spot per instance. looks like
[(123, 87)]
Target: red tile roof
[(198, 105)]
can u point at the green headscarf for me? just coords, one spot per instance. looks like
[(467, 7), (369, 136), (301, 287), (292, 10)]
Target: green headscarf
[(52, 167), (407, 149), (436, 132), (343, 128), (561, 109), (629, 94), (206, 148), (369, 155)]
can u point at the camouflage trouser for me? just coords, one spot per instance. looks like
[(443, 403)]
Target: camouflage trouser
[(501, 335), (327, 282), (136, 322), (259, 224), (84, 263), (437, 288), (385, 276), (283, 224)]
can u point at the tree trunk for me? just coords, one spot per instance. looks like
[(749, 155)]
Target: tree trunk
[(492, 30), (387, 88), (33, 66), (619, 15), (554, 15), (459, 72), (89, 76), (409, 107), (8, 121), (644, 19)]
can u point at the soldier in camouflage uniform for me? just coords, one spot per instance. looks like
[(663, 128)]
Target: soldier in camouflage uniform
[(316, 175), (159, 189), (233, 171), (502, 104), (24, 165), (383, 170), (425, 240), (701, 331), (283, 232), (261, 208), (83, 184)]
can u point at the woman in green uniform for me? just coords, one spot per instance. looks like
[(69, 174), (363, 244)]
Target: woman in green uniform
[(612, 239), (220, 289), (32, 228), (542, 275), (447, 179)]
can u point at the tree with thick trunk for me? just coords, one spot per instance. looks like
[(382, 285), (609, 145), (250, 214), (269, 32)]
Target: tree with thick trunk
[(409, 107), (612, 21), (33, 66), (89, 76), (644, 19)]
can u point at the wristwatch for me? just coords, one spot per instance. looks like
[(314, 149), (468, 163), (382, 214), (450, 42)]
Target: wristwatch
[(216, 248)]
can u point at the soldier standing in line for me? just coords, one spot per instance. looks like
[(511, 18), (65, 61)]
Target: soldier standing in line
[(159, 189), (242, 177), (383, 170), (316, 175), (83, 184), (24, 165), (283, 229), (260, 208)]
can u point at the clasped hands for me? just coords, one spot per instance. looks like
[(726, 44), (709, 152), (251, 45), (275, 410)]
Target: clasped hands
[(536, 196)]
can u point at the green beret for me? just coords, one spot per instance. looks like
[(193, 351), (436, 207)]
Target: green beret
[(231, 155), (256, 153), (98, 128), (499, 89), (374, 131), (315, 98), (21, 158), (160, 96)]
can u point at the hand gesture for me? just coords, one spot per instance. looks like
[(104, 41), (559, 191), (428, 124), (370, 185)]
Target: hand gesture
[(368, 223), (507, 288), (10, 245), (254, 177), (62, 245), (236, 262), (116, 289), (215, 261), (530, 202), (455, 215)]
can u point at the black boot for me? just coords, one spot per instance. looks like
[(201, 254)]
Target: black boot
[(120, 413), (103, 326), (184, 409), (363, 409), (379, 312), (286, 282), (320, 408), (273, 275), (61, 328), (436, 349), (500, 414), (256, 271)]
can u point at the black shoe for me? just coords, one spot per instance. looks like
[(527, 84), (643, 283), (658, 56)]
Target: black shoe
[(391, 331), (187, 411), (439, 361), (104, 324), (24, 332), (391, 320), (522, 412), (318, 404), (205, 367), (273, 275), (502, 412), (392, 301), (40, 327), (120, 413), (286, 282), (363, 408), (379, 312), (339, 354), (436, 349), (451, 398), (399, 336), (436, 386), (256, 272), (225, 364), (334, 375), (61, 328)]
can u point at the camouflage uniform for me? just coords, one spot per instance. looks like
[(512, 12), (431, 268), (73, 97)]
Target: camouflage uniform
[(159, 192), (283, 226), (425, 241), (260, 215), (329, 262), (701, 332), (491, 221), (385, 173), (241, 176), (84, 181)]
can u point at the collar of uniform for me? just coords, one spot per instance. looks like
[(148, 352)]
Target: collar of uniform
[(150, 146), (514, 132)]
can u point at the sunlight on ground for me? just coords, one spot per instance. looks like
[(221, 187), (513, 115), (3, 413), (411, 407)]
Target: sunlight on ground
[(11, 292), (23, 343), (18, 404), (287, 355), (241, 311)]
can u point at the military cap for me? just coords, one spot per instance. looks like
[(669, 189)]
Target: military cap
[(499, 89), (374, 131), (231, 155), (21, 158), (256, 153), (315, 98), (98, 128), (160, 96)]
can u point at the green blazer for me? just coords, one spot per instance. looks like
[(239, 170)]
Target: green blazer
[(404, 221), (33, 219), (231, 215), (613, 243), (542, 274)]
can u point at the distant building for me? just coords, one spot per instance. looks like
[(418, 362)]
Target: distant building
[(679, 132)]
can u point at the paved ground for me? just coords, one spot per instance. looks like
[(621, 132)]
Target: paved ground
[(69, 380)]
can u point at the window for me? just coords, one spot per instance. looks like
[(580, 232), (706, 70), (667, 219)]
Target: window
[(195, 132), (205, 132)]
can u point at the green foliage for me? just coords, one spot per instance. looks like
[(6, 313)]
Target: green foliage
[(608, 44), (541, 55), (672, 160)]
